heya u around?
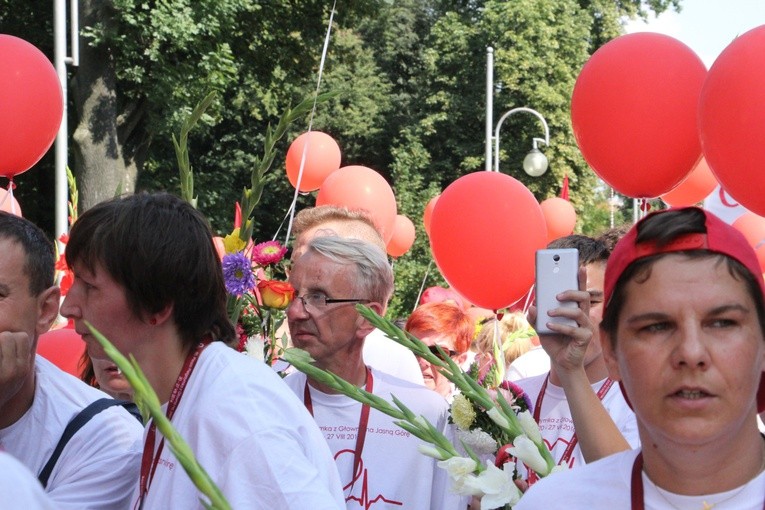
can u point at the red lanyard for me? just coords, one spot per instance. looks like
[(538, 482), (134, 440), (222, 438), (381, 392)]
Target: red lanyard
[(636, 487), (574, 440), (150, 460), (363, 423)]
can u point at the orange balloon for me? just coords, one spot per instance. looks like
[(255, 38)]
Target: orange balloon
[(359, 187), (695, 188), (560, 217), (322, 157), (62, 347), (8, 203), (429, 213), (753, 228), (403, 236)]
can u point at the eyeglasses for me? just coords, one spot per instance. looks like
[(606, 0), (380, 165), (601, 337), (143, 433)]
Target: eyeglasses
[(320, 301), (448, 352)]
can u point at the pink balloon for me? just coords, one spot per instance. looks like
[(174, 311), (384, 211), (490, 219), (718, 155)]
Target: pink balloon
[(560, 217), (31, 105), (359, 187), (403, 236), (322, 157)]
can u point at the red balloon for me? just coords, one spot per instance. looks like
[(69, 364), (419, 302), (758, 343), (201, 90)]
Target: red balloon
[(753, 228), (8, 203), (359, 187), (428, 214), (322, 157), (31, 105), (560, 217), (485, 230), (695, 188), (732, 117), (403, 236), (62, 347), (633, 111)]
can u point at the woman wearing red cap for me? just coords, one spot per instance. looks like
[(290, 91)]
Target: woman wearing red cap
[(683, 331)]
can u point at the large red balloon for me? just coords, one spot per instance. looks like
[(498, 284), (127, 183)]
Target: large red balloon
[(732, 119), (322, 157), (485, 230), (403, 236), (62, 347), (359, 187), (633, 111), (31, 105), (560, 217), (695, 188), (753, 228)]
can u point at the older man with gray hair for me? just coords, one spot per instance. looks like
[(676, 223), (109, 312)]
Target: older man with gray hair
[(378, 461)]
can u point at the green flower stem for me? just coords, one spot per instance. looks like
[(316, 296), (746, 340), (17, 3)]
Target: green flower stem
[(150, 407), (466, 384), (405, 418)]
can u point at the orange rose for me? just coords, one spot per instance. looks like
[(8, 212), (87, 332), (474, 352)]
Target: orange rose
[(276, 294)]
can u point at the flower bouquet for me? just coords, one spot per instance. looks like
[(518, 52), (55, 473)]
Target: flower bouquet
[(258, 295), (494, 423)]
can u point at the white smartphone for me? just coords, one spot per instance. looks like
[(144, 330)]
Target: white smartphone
[(556, 272)]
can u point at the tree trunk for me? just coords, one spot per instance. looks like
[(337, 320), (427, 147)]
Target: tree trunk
[(106, 158)]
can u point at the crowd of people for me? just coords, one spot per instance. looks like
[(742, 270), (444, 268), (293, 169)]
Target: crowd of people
[(649, 398)]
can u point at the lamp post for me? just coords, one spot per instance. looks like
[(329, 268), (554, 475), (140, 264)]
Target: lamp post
[(535, 163)]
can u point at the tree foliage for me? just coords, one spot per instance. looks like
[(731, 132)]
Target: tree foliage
[(410, 79)]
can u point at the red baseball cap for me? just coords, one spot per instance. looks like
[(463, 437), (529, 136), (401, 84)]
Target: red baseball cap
[(720, 238)]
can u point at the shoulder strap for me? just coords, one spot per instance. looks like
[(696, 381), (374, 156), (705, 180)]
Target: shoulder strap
[(76, 424)]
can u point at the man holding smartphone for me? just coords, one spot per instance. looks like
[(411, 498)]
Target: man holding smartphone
[(581, 413)]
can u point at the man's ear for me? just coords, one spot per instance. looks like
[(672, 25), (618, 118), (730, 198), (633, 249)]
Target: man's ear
[(609, 355), (365, 327), (47, 308)]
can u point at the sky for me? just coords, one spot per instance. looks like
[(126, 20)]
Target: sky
[(706, 26)]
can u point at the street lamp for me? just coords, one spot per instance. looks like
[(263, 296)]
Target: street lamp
[(535, 162)]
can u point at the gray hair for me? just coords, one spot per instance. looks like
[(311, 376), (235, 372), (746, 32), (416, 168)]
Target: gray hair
[(374, 273)]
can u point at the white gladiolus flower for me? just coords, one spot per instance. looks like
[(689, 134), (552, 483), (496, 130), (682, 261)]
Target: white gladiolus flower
[(497, 418), (527, 451), (458, 467), (254, 347), (497, 487), (530, 427), (430, 451)]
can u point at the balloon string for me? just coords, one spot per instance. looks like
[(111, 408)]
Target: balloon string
[(11, 187), (527, 303), (310, 123), (422, 287)]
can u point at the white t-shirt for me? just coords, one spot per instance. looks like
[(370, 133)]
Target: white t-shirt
[(557, 426), (389, 356), (393, 474), (529, 364), (606, 485), (99, 466), (252, 436), (19, 488)]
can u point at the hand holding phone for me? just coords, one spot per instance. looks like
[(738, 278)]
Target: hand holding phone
[(556, 272)]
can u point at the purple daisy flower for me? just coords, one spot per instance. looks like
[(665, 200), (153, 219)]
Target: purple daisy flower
[(237, 273), (267, 253)]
